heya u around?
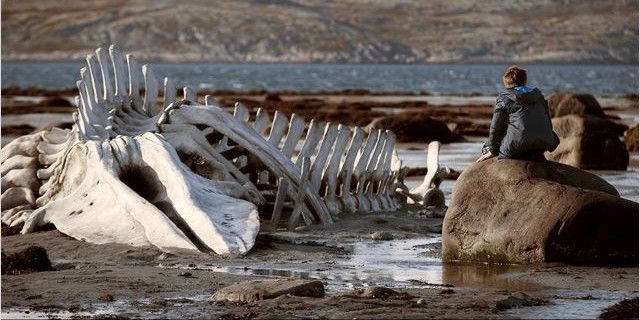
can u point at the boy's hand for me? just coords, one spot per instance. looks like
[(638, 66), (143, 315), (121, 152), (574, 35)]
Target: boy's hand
[(485, 156)]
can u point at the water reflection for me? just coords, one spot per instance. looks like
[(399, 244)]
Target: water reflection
[(484, 275), (397, 263), (459, 156)]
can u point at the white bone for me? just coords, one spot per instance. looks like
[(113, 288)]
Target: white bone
[(117, 59), (349, 203), (188, 94), (19, 162), (17, 196), (331, 173), (241, 112), (169, 93), (262, 121), (134, 82), (107, 86), (120, 148), (150, 91), (278, 127), (299, 199)]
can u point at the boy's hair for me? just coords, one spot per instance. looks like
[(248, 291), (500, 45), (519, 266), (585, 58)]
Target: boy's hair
[(514, 77)]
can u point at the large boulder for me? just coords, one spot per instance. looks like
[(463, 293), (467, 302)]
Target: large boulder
[(512, 211), (590, 142), (631, 138), (415, 127), (565, 103)]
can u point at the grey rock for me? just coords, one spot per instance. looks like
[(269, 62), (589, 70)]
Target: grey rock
[(518, 300), (381, 236), (251, 291)]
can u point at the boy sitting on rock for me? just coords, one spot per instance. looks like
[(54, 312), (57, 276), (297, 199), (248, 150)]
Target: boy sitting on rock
[(521, 125)]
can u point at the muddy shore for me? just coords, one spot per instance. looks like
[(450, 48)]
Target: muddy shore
[(121, 281), (132, 282)]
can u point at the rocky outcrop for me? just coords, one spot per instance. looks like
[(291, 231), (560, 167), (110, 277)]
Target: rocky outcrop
[(631, 138), (511, 211), (566, 103), (589, 142), (415, 127), (251, 291)]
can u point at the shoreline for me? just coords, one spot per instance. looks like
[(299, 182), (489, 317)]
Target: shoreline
[(118, 280), (38, 91), (146, 281)]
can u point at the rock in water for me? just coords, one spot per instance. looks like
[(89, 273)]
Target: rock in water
[(375, 292), (590, 142), (415, 127), (251, 291), (625, 309), (566, 103), (517, 300), (381, 236), (32, 259), (523, 212), (631, 138)]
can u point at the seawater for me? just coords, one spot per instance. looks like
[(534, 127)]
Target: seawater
[(436, 79), (459, 156)]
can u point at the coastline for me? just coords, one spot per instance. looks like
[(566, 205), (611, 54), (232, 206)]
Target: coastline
[(146, 281)]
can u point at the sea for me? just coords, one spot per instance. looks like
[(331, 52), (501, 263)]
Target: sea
[(440, 79)]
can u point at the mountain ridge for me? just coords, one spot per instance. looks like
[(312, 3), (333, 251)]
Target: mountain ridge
[(315, 31)]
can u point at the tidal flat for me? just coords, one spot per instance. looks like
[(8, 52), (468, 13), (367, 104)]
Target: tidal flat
[(120, 281)]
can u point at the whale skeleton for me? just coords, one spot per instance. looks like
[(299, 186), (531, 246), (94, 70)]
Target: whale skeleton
[(173, 173)]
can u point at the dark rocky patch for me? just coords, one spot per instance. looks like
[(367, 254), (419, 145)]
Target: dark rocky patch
[(9, 231), (566, 103), (415, 127), (32, 259), (518, 300), (625, 309)]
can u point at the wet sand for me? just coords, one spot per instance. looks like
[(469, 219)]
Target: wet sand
[(144, 282)]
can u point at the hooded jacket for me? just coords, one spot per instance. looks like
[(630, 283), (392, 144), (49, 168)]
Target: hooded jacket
[(521, 124)]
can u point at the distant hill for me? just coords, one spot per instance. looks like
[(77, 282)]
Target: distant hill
[(344, 31)]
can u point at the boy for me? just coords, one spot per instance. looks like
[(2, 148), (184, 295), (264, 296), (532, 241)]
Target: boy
[(521, 126)]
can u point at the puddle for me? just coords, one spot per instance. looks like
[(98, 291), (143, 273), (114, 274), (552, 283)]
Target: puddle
[(170, 308), (25, 313), (571, 304), (395, 264)]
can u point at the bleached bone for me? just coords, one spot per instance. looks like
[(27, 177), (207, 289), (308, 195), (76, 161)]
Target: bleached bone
[(331, 173), (429, 192), (113, 152), (187, 175), (349, 202)]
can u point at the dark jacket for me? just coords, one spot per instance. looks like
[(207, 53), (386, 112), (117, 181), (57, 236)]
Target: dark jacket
[(521, 124)]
